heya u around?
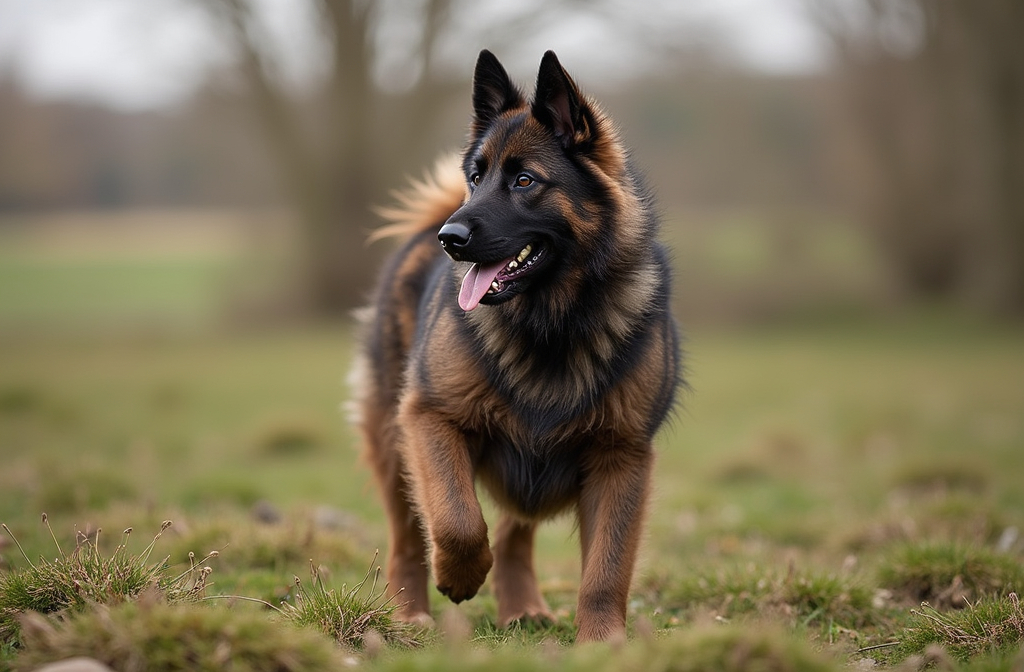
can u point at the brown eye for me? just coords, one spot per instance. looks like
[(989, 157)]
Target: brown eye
[(474, 179), (524, 180)]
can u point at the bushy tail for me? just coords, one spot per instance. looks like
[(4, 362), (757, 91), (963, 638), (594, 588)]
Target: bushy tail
[(425, 203)]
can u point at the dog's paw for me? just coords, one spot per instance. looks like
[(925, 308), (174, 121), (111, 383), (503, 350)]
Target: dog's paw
[(540, 616), (419, 619), (460, 575), (519, 597), (590, 629)]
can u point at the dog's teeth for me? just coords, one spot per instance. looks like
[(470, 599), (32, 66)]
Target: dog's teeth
[(495, 285), (513, 264), (524, 253)]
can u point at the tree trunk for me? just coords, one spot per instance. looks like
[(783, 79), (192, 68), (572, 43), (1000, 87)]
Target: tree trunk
[(943, 130), (333, 170)]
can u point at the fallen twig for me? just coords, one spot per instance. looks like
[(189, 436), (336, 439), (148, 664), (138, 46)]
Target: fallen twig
[(877, 646)]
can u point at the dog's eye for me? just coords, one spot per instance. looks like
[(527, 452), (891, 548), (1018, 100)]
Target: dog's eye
[(474, 179), (523, 180)]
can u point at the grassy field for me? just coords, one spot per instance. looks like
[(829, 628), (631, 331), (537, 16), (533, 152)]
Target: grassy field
[(818, 483)]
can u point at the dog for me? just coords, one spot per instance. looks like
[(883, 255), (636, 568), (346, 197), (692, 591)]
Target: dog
[(520, 338)]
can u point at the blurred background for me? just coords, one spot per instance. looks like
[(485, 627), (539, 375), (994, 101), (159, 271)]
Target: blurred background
[(186, 188), (809, 155)]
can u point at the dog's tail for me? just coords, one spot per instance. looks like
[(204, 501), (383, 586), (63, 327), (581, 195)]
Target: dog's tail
[(425, 203)]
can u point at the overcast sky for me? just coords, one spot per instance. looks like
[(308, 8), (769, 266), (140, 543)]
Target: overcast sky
[(145, 54)]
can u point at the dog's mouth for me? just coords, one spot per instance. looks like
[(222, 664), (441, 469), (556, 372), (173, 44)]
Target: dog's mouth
[(493, 283)]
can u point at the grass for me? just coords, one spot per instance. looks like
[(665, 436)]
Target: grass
[(789, 595), (823, 477), (950, 574), (159, 637), (83, 578), (991, 627), (701, 649), (85, 582), (352, 620)]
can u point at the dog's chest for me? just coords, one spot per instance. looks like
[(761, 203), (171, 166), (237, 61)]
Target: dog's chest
[(535, 481)]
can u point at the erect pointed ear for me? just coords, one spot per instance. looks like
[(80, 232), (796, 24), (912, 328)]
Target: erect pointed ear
[(558, 104), (493, 92)]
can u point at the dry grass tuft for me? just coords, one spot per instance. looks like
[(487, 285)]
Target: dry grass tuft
[(354, 621), (283, 547), (89, 491), (938, 478), (289, 436), (76, 580), (986, 627)]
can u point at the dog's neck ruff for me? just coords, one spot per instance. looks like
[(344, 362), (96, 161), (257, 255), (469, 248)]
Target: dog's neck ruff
[(560, 353)]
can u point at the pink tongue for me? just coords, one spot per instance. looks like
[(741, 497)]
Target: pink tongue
[(476, 283)]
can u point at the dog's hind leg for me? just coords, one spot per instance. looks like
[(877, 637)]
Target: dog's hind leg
[(515, 583)]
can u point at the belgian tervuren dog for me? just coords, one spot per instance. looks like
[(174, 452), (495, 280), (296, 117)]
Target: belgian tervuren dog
[(520, 338)]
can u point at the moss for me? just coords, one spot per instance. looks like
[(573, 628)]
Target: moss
[(706, 649), (947, 573), (286, 547), (158, 637), (87, 491), (798, 596)]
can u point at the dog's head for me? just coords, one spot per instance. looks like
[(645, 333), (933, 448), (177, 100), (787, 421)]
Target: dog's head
[(536, 179)]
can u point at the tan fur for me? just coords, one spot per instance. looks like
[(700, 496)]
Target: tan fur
[(423, 203)]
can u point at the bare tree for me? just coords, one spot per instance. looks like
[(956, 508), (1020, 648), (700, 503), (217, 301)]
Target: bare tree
[(328, 168), (935, 89), (335, 146)]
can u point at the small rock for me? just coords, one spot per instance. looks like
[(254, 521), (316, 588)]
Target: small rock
[(1007, 539), (265, 512), (79, 664), (329, 518)]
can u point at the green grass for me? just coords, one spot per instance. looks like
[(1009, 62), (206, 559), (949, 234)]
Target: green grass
[(354, 618), (156, 293), (83, 578), (161, 637), (820, 480), (791, 596), (699, 649), (992, 627), (951, 574)]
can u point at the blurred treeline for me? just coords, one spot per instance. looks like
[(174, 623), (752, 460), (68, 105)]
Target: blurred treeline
[(915, 133)]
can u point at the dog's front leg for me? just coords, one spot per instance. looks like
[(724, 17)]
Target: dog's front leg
[(441, 470), (611, 509)]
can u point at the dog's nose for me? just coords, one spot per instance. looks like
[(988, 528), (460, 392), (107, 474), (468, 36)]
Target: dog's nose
[(454, 236)]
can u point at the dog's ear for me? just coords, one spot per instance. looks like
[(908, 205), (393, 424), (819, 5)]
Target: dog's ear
[(493, 92), (559, 105)]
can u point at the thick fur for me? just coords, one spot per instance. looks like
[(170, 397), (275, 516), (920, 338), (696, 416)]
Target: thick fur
[(547, 393)]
